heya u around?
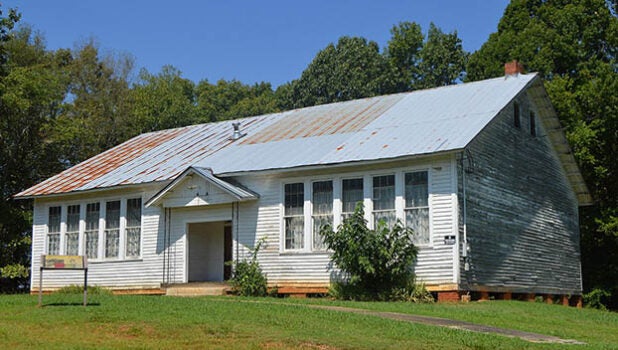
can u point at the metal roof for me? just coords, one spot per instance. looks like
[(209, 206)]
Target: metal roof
[(406, 124)]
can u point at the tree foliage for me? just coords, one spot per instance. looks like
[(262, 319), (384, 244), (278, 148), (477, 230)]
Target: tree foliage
[(32, 87), (378, 262), (355, 68), (573, 45), (162, 101), (232, 99)]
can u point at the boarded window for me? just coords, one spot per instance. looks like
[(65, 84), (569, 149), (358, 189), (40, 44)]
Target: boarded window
[(72, 234), (417, 205), (532, 124), (112, 229), (352, 194), (322, 215), (134, 227), (294, 220), (91, 234), (516, 118), (53, 230), (384, 200)]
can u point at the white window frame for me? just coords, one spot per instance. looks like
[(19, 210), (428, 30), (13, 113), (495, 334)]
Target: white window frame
[(332, 213), (48, 233), (337, 181), (428, 207), (306, 209), (372, 223), (101, 230)]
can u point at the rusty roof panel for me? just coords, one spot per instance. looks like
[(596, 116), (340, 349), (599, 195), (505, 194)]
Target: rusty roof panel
[(337, 118), (100, 165)]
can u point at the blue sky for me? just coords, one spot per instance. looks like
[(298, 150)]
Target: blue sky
[(250, 41)]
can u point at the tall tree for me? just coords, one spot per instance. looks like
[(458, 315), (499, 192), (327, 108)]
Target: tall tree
[(352, 68), (573, 45), (162, 101), (97, 115), (442, 59), (233, 99), (404, 52), (32, 86)]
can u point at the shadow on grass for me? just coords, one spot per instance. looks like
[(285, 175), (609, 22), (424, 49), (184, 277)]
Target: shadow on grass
[(70, 304)]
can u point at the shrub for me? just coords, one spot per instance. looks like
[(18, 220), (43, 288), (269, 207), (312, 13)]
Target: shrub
[(248, 279), (597, 299), (77, 289), (378, 262)]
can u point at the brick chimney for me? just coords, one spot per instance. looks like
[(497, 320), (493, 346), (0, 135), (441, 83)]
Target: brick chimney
[(513, 68)]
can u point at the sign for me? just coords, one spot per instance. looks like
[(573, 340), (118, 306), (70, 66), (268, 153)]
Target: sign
[(63, 262)]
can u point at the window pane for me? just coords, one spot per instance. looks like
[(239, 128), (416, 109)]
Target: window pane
[(294, 216), (54, 219), (73, 218), (112, 215), (322, 200), (92, 244), (352, 193), (389, 217), (53, 244), (134, 212), (92, 216), (322, 197), (111, 243), (416, 189), (134, 222), (92, 230), (133, 241), (294, 232), (384, 192), (112, 231), (418, 221), (294, 199)]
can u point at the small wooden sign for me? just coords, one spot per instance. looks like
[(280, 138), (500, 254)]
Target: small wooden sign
[(63, 262)]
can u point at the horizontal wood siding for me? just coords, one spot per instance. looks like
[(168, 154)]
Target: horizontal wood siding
[(435, 263), (263, 219), (145, 272), (522, 214)]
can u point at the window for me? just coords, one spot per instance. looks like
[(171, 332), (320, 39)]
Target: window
[(294, 219), (417, 205), (53, 231), (384, 200), (322, 214), (112, 229), (133, 230), (72, 234), (91, 234), (351, 194), (532, 124), (516, 119)]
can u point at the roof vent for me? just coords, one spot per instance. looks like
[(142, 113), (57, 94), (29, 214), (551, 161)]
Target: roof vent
[(237, 134), (513, 68)]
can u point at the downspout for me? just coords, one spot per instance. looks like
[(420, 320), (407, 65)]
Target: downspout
[(465, 246), (164, 243)]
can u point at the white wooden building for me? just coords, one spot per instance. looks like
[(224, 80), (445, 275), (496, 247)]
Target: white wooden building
[(481, 171)]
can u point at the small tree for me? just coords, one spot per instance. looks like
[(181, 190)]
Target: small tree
[(248, 279), (378, 262)]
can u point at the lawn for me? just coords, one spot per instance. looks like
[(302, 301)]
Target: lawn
[(229, 322)]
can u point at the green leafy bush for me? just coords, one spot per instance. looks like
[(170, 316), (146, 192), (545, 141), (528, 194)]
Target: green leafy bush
[(77, 289), (597, 299), (378, 262), (248, 279)]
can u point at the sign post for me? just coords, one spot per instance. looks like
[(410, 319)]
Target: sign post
[(64, 262)]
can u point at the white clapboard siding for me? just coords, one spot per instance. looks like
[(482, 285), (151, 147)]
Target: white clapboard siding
[(139, 273)]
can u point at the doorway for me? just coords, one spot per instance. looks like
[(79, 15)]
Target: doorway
[(209, 247)]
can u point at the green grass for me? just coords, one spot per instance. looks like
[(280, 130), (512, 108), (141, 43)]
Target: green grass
[(113, 322)]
